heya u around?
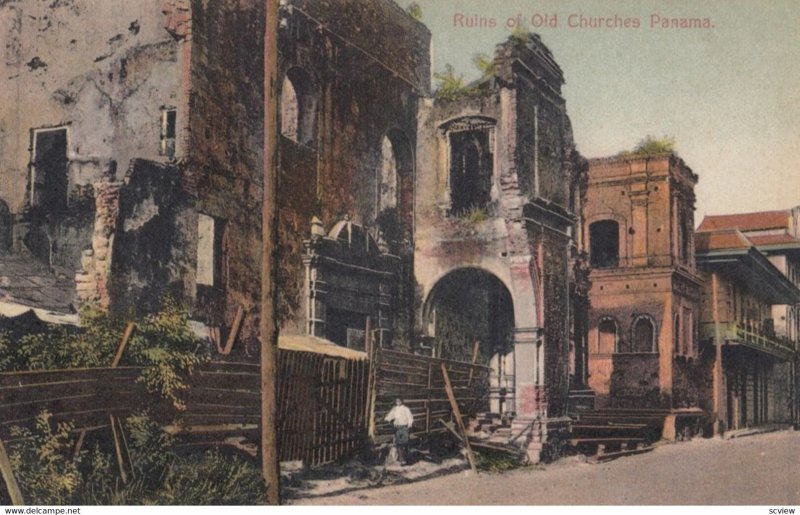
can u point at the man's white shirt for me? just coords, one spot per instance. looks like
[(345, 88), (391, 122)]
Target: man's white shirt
[(401, 416)]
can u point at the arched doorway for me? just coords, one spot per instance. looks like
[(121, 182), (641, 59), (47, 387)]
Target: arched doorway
[(471, 305)]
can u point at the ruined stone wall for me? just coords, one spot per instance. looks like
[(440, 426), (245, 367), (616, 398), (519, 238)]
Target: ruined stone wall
[(361, 90), (150, 259), (520, 239), (357, 89), (225, 168), (554, 275), (94, 278)]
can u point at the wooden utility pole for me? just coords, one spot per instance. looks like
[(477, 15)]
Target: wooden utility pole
[(268, 327)]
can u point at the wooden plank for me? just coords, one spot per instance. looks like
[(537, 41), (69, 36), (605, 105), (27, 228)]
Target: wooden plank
[(457, 413), (122, 344), (8, 476), (118, 451), (237, 325), (475, 348), (79, 443)]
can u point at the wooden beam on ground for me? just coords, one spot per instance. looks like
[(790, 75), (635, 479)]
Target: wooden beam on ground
[(237, 325), (457, 412), (122, 344), (8, 476)]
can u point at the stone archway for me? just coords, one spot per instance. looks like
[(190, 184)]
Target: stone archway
[(470, 305)]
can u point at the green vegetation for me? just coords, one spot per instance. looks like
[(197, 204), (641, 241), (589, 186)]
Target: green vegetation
[(521, 34), (414, 10), (651, 146), (162, 343), (449, 85), (476, 215), (484, 63), (493, 462), (49, 474)]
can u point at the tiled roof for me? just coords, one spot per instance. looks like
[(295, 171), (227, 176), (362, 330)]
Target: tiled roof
[(724, 239), (25, 282), (773, 239), (747, 221)]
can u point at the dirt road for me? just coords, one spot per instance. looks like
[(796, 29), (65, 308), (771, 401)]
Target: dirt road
[(762, 469)]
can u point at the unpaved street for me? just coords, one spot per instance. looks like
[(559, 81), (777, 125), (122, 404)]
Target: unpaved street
[(762, 469)]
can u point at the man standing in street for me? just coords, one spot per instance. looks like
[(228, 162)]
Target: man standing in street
[(402, 419)]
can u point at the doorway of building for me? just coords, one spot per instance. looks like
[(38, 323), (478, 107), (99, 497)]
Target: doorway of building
[(470, 313)]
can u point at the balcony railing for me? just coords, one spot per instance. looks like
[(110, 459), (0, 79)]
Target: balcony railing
[(736, 334)]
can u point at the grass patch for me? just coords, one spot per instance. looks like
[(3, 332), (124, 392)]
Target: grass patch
[(495, 462), (49, 473)]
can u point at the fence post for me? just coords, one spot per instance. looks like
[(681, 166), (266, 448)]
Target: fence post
[(8, 475)]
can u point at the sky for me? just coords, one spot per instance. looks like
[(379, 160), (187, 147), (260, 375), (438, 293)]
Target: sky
[(729, 94)]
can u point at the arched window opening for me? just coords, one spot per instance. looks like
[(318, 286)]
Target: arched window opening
[(604, 244), (290, 110), (607, 340), (298, 106), (643, 335), (387, 187)]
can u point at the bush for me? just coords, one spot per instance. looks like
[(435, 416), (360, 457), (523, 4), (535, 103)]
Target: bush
[(651, 146), (41, 461), (162, 343), (49, 474)]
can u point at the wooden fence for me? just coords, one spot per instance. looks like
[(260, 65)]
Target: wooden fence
[(85, 397), (418, 380), (325, 410), (322, 403)]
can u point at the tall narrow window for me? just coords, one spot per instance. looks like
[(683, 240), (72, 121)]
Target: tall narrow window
[(688, 332), (607, 339), (289, 110), (676, 335), (49, 177), (387, 187), (210, 251), (604, 244), (643, 335), (470, 171), (168, 131)]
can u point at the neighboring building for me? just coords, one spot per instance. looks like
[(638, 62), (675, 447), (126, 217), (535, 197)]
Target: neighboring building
[(753, 366), (497, 184), (776, 235), (91, 117), (638, 221)]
